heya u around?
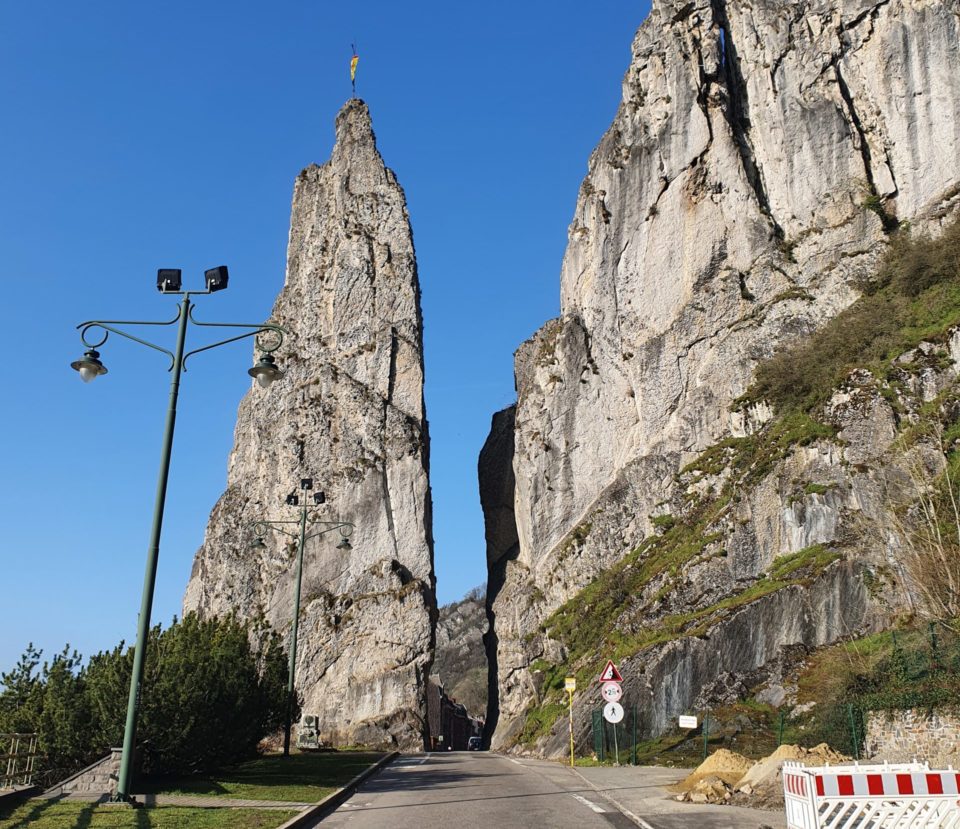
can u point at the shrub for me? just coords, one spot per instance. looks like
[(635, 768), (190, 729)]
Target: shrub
[(207, 698)]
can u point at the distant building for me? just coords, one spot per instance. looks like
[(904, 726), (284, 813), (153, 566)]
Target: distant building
[(449, 723)]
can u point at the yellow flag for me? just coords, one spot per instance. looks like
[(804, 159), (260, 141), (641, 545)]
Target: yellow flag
[(353, 67)]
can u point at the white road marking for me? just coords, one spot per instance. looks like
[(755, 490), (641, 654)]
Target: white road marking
[(637, 818), (515, 761), (590, 804)]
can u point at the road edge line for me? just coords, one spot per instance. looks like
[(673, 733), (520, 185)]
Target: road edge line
[(322, 808), (623, 809)]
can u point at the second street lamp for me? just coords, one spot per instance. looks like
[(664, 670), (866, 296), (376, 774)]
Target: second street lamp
[(269, 338), (307, 520)]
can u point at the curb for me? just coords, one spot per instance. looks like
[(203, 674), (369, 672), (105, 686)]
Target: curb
[(318, 811)]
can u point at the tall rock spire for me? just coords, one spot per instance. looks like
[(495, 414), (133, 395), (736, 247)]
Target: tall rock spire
[(350, 414)]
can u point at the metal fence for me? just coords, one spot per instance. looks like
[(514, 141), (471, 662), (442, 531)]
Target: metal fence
[(616, 742), (20, 752), (917, 668)]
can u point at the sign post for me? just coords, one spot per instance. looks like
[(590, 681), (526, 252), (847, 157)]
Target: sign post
[(611, 691), (570, 683)]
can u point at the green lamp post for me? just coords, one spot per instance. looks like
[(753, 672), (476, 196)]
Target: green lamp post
[(308, 519), (269, 338)]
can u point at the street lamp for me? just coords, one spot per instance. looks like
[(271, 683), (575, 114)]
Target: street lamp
[(307, 519), (269, 338)]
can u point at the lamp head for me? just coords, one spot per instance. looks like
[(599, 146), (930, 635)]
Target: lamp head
[(169, 280), (265, 371), (216, 278), (319, 498), (293, 500), (345, 545), (89, 366), (306, 483), (257, 544)]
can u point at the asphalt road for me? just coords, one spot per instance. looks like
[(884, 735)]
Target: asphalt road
[(457, 790)]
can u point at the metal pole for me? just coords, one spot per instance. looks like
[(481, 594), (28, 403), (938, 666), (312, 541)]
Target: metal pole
[(293, 631), (616, 747), (780, 730), (150, 576), (706, 733), (571, 729)]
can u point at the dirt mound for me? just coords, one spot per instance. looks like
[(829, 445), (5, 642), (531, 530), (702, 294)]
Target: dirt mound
[(726, 765), (762, 785)]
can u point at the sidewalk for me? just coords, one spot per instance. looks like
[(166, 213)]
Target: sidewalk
[(195, 802), (642, 792)]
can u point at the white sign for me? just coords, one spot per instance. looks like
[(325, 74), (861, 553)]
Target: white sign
[(570, 683), (687, 721), (613, 712), (611, 691)]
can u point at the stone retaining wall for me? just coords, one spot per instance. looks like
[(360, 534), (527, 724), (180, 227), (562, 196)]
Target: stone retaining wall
[(903, 736), (97, 778)]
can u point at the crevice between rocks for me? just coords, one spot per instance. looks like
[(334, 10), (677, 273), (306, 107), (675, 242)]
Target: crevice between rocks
[(736, 113)]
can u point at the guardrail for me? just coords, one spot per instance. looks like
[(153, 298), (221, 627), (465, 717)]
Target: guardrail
[(871, 796), (20, 752)]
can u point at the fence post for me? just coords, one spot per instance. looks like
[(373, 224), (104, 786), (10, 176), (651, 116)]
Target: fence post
[(706, 732), (853, 733), (934, 659)]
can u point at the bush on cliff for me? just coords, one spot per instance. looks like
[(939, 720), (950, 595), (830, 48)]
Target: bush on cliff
[(206, 699), (915, 296)]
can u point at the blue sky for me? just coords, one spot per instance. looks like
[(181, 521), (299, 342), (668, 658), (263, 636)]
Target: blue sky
[(137, 136)]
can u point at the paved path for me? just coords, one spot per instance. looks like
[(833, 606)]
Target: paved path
[(440, 791), (641, 792), (197, 802)]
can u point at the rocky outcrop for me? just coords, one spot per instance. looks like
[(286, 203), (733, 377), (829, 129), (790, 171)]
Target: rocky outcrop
[(461, 662), (760, 156), (349, 413)]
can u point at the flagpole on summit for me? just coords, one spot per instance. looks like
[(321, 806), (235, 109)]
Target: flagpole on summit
[(353, 70)]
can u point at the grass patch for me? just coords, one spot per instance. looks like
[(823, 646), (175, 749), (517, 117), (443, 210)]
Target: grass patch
[(301, 778), (915, 297), (49, 814)]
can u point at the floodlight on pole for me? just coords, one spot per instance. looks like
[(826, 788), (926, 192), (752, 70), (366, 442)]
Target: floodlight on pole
[(269, 338)]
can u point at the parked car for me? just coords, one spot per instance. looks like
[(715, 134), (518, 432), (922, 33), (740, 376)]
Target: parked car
[(473, 744)]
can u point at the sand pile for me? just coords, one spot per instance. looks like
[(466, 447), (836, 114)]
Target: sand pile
[(713, 779), (726, 777), (762, 785)]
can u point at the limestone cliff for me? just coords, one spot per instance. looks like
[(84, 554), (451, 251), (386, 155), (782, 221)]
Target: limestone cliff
[(761, 155), (349, 413)]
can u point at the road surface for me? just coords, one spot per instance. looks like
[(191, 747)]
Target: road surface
[(460, 790)]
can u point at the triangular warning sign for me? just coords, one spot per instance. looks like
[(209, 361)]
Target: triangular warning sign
[(610, 673)]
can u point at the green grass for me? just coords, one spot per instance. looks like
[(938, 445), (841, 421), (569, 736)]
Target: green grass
[(49, 814), (301, 778), (915, 297)]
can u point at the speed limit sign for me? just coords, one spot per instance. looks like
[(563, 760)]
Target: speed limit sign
[(611, 691)]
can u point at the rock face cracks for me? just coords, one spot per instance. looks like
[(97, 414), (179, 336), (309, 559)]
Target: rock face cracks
[(349, 413), (760, 155)]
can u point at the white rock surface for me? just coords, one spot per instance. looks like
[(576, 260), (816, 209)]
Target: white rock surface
[(349, 413), (760, 153)]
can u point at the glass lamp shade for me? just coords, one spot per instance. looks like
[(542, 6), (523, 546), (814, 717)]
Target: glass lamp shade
[(89, 366), (265, 371), (345, 545)]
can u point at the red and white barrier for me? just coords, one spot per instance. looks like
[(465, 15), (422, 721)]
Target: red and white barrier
[(907, 796)]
